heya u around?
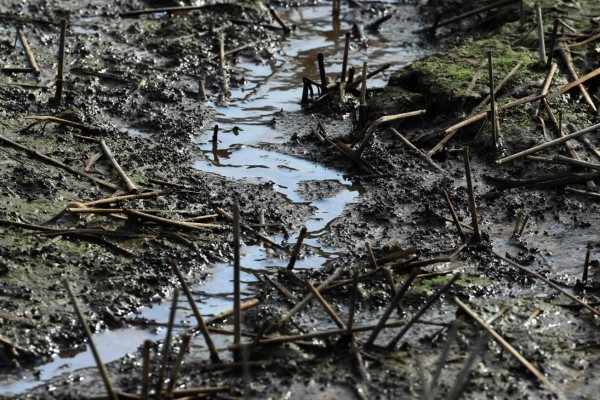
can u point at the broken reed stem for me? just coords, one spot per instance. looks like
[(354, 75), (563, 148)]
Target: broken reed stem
[(586, 265), (546, 87), (28, 51), (453, 214), (118, 199), (202, 90), (326, 306), (112, 394), (214, 355), (277, 18), (185, 343), (60, 78), (547, 281), (371, 255), (472, 203), (493, 116), (215, 139), (452, 130), (547, 145), (354, 298), (297, 248), (414, 148), (566, 56), (552, 42), (237, 313), (363, 85), (432, 299), (288, 316), (225, 84), (49, 118), (501, 341), (345, 59), (381, 120), (128, 182), (228, 313), (167, 221), (390, 308), (576, 163), (540, 27), (247, 227), (317, 335), (167, 344), (146, 369), (322, 74), (59, 164), (501, 84), (523, 225)]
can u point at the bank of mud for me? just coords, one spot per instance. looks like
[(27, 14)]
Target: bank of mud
[(402, 213)]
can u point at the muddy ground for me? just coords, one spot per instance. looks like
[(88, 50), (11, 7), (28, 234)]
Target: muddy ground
[(402, 210)]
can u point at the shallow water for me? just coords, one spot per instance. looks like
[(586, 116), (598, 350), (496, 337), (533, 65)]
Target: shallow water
[(269, 87)]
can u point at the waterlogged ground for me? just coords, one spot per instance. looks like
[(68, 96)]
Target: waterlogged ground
[(134, 82)]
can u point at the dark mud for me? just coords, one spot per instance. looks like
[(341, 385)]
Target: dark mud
[(403, 211)]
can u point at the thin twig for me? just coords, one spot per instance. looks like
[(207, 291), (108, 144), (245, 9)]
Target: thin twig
[(112, 394)]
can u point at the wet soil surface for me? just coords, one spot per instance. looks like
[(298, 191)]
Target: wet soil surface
[(545, 225)]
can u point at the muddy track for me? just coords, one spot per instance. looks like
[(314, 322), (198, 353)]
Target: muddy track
[(536, 215)]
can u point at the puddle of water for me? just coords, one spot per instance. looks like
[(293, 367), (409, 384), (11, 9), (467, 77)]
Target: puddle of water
[(269, 87)]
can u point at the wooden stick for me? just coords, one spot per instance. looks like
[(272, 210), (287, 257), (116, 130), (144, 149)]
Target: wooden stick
[(548, 145), (322, 74), (552, 42), (573, 84), (277, 18), (320, 334), (390, 308), (118, 199), (540, 26), (381, 120), (345, 59), (112, 394), (250, 229), (432, 299), (59, 164), (171, 222), (214, 355), (60, 78), (137, 13), (501, 84), (28, 51), (326, 306), (576, 163), (354, 83), (509, 348), (237, 313), (472, 203), (228, 313), (185, 343), (547, 281), (493, 109), (167, 344), (354, 297), (146, 369), (566, 55), (584, 42), (288, 316), (130, 185), (297, 248), (414, 148), (49, 118), (546, 87), (586, 265), (454, 216)]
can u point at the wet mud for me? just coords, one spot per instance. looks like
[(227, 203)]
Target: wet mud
[(395, 233)]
